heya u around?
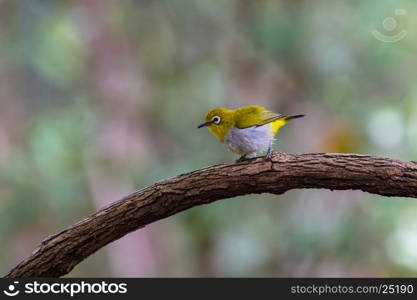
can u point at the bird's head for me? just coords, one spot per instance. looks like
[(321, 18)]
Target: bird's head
[(219, 121)]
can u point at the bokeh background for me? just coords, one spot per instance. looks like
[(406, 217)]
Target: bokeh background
[(99, 98)]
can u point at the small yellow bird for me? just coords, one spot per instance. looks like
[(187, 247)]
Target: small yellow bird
[(246, 130)]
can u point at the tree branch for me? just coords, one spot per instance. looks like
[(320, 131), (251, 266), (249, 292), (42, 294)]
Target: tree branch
[(58, 254)]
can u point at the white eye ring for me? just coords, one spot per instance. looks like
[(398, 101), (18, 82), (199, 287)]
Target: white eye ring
[(216, 120)]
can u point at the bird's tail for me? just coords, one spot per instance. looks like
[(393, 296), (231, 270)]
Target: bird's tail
[(276, 125), (287, 118)]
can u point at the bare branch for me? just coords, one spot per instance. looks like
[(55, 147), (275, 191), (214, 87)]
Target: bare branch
[(58, 254)]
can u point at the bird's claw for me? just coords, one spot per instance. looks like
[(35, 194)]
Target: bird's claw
[(241, 159), (268, 155)]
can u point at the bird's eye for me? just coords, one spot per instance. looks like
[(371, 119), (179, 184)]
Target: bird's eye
[(216, 119)]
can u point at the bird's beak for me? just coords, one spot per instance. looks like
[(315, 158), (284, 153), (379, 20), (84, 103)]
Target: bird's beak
[(204, 124)]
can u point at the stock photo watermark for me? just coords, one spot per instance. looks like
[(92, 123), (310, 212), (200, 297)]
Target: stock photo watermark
[(390, 25), (12, 290), (64, 288)]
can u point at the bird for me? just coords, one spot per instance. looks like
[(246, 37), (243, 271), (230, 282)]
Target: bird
[(247, 130)]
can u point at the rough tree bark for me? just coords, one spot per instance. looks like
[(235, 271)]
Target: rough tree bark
[(58, 254)]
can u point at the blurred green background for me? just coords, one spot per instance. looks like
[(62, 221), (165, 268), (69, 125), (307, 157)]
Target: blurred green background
[(100, 98)]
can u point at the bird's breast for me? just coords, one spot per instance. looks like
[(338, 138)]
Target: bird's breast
[(249, 140)]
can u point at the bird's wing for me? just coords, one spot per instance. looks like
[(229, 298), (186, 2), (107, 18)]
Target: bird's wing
[(254, 115)]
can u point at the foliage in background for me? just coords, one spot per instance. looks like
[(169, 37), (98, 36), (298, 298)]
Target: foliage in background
[(100, 98)]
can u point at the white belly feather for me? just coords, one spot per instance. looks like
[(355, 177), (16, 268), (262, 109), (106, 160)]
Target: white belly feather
[(249, 140)]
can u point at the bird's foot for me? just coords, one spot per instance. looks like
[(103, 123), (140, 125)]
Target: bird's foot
[(240, 159), (268, 155)]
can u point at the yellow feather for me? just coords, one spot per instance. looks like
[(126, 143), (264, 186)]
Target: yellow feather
[(254, 115), (276, 125)]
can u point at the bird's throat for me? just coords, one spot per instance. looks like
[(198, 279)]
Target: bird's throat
[(218, 131)]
